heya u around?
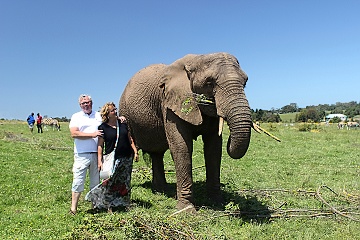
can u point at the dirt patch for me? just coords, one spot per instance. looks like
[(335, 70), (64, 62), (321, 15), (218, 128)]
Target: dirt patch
[(15, 137)]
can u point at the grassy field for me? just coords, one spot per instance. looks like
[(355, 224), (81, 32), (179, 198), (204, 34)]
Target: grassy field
[(288, 117), (279, 190)]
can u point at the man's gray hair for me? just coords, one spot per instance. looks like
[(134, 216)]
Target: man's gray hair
[(84, 96)]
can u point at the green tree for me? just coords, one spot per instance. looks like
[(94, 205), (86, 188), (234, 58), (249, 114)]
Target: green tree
[(292, 107), (306, 115), (259, 114), (335, 120), (301, 116), (313, 115), (273, 117)]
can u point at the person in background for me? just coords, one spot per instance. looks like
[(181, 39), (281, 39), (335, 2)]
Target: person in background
[(84, 129), (115, 191), (31, 120), (38, 123)]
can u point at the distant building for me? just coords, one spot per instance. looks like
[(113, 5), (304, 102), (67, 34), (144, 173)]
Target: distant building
[(331, 116)]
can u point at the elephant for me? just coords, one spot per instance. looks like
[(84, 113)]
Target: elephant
[(168, 106)]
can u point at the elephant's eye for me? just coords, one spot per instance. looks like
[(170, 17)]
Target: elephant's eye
[(209, 82)]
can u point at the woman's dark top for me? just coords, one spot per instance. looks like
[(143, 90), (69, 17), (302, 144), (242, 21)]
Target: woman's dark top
[(123, 148)]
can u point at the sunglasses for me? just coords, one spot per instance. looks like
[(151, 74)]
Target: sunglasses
[(83, 103), (113, 110)]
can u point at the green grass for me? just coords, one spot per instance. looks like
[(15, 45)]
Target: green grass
[(261, 190), (288, 117)]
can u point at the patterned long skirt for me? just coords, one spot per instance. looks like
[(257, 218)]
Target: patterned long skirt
[(114, 191)]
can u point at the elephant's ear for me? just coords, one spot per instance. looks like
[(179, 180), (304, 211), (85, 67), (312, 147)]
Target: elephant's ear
[(178, 95)]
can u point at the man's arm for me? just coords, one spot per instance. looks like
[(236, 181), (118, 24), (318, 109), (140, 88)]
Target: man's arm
[(76, 133)]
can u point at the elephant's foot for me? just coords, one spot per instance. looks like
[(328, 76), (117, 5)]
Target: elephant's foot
[(185, 207), (159, 185), (159, 188), (217, 199)]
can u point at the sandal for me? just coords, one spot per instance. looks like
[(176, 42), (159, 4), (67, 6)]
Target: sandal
[(72, 213)]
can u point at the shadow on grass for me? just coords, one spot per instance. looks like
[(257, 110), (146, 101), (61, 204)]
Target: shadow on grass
[(248, 208), (134, 203), (144, 204)]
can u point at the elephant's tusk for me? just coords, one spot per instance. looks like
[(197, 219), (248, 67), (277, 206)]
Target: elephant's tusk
[(221, 125)]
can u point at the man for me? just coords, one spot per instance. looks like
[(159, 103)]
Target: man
[(84, 129), (31, 121), (39, 122)]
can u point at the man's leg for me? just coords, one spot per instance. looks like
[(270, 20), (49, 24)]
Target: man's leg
[(94, 173), (75, 196), (81, 163)]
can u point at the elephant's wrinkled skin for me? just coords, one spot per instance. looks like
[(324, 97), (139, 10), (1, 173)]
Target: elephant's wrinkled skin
[(162, 113)]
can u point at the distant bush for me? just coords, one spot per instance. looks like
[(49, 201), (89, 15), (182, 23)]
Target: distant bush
[(335, 120), (308, 127)]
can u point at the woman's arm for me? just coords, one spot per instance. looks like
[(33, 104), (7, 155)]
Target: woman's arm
[(100, 152), (136, 156)]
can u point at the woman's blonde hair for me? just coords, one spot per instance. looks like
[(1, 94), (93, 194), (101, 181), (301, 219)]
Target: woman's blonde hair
[(105, 110)]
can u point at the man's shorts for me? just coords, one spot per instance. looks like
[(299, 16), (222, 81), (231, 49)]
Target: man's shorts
[(83, 162), (31, 125)]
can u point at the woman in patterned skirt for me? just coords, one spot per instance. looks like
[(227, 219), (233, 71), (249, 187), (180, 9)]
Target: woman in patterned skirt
[(114, 191)]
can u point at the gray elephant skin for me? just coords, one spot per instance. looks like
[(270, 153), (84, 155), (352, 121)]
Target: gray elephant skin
[(168, 106)]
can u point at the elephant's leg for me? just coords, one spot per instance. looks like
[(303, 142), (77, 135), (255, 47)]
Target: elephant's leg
[(159, 181), (180, 141), (184, 179), (212, 155)]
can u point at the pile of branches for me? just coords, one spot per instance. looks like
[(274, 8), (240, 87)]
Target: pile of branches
[(144, 229), (172, 227), (349, 208)]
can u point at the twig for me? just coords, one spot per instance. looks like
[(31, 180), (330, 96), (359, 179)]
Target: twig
[(258, 129), (198, 167), (180, 211), (334, 210), (283, 204), (278, 190)]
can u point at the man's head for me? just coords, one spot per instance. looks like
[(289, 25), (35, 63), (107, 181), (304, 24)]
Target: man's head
[(85, 102)]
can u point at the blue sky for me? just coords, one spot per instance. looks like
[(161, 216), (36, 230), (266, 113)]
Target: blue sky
[(305, 52)]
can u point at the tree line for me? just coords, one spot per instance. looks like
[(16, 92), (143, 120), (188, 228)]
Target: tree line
[(60, 119), (314, 113)]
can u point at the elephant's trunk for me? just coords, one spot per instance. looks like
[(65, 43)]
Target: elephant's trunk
[(235, 109)]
